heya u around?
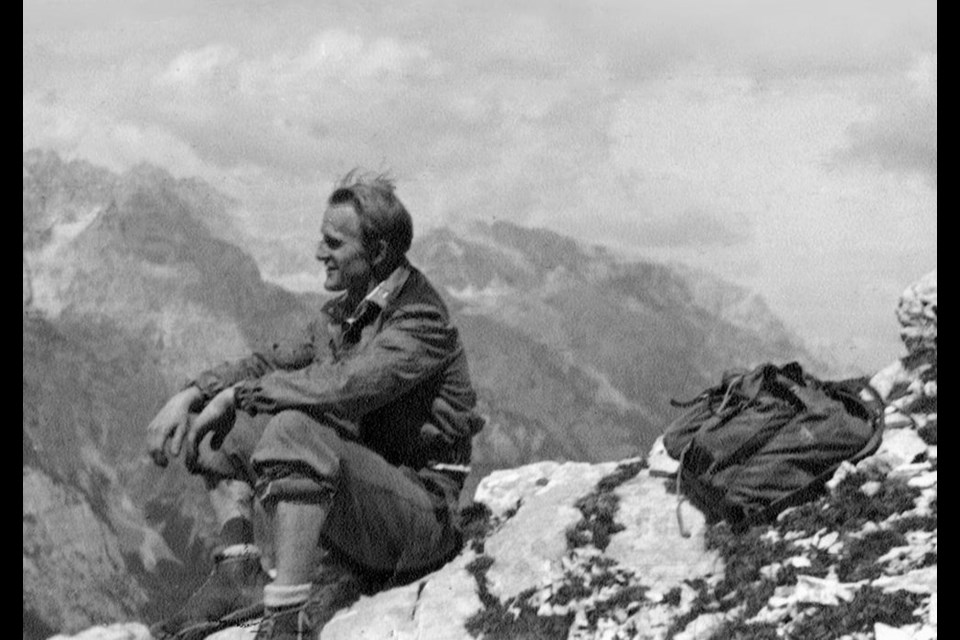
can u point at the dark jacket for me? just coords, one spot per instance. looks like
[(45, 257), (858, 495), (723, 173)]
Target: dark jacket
[(393, 374)]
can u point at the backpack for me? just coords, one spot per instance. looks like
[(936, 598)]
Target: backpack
[(767, 439)]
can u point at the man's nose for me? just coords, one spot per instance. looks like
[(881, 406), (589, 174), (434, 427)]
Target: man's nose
[(322, 251)]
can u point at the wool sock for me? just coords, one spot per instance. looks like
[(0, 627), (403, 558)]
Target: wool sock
[(283, 596)]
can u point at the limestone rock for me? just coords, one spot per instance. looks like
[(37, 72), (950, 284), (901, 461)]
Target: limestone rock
[(909, 385), (923, 580), (529, 547), (886, 632), (917, 313), (435, 607), (659, 461), (900, 447), (702, 627), (118, 631), (810, 589), (651, 543)]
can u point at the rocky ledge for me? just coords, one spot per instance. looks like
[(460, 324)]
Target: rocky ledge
[(577, 550)]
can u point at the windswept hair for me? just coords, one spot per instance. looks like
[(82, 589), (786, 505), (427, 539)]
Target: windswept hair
[(382, 215)]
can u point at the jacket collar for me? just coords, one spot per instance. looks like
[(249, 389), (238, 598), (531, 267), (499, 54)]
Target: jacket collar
[(374, 302), (383, 293)]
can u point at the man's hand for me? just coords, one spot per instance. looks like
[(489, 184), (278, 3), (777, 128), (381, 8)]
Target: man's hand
[(170, 425), (217, 417)]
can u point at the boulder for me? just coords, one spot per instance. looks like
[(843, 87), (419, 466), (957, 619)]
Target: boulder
[(917, 313)]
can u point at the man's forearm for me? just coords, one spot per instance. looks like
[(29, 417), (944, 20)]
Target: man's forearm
[(294, 353)]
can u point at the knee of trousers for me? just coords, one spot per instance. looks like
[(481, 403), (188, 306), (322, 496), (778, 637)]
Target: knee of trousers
[(232, 460), (297, 459)]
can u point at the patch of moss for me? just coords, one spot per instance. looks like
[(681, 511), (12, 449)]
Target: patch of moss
[(869, 606), (476, 524), (497, 623), (848, 508), (753, 597), (703, 602), (599, 507), (673, 597), (915, 523), (820, 564), (740, 629), (512, 511), (858, 560), (746, 590), (744, 555), (513, 619), (573, 588), (621, 474), (597, 524), (620, 601), (623, 598), (604, 576), (478, 568), (517, 618)]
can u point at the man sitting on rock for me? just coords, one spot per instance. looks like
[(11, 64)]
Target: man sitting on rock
[(355, 438)]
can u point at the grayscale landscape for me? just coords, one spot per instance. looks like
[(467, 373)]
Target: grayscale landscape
[(618, 202)]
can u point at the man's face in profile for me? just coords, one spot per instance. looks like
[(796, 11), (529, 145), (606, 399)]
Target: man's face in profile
[(341, 251)]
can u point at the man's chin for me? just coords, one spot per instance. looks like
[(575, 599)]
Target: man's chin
[(333, 286)]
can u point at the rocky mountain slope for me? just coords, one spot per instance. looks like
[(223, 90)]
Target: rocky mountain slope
[(132, 282), (126, 293)]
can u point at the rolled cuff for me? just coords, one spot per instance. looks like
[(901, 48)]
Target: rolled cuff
[(294, 487)]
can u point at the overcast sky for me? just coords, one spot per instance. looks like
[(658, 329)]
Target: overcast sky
[(787, 146)]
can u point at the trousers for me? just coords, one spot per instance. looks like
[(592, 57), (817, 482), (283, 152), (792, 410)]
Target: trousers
[(388, 519)]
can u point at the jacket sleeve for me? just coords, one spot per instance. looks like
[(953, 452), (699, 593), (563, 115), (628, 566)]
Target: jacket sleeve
[(414, 344), (293, 353)]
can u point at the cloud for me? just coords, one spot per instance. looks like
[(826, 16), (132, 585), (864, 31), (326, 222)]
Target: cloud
[(902, 136), (340, 95), (207, 65), (693, 228), (759, 139), (50, 123), (767, 40)]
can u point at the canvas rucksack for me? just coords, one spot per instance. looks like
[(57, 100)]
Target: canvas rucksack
[(767, 439)]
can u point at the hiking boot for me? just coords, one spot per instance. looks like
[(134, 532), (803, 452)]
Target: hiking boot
[(231, 594), (336, 585), (288, 623)]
